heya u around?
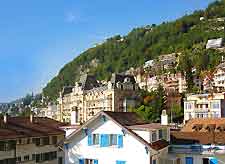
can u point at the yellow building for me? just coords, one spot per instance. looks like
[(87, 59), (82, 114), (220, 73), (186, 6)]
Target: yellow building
[(79, 103)]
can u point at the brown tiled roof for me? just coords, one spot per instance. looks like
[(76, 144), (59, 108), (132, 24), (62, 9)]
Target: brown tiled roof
[(17, 127), (205, 122), (203, 131), (126, 118), (160, 144)]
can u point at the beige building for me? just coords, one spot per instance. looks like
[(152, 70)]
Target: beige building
[(30, 140), (204, 106), (219, 77), (79, 103)]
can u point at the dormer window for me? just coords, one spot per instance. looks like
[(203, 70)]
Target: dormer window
[(127, 79)]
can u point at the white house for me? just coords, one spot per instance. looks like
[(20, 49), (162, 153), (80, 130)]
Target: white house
[(118, 138), (214, 43)]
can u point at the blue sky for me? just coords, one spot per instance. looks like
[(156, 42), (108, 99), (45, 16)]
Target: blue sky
[(38, 37)]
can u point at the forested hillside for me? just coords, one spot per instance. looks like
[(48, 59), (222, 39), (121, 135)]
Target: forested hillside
[(188, 34)]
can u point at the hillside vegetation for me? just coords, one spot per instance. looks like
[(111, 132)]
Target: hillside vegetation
[(117, 54)]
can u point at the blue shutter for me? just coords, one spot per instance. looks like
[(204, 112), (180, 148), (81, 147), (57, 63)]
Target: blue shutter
[(104, 140), (66, 146), (120, 162), (213, 161), (89, 140), (81, 161), (188, 160), (120, 141), (95, 161)]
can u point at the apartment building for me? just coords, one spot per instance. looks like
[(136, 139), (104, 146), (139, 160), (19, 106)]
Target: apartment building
[(88, 97), (30, 140), (204, 106), (214, 43), (118, 138), (219, 77)]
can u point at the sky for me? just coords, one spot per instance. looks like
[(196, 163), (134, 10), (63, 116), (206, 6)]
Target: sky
[(38, 37)]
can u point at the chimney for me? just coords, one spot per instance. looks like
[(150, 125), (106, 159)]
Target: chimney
[(164, 118), (73, 119), (5, 118), (31, 118)]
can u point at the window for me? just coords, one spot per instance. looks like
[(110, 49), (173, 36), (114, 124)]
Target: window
[(7, 145), (45, 140), (38, 157), (88, 161), (26, 158), (18, 159), (154, 136), (54, 140), (188, 106), (45, 156), (28, 140), (95, 139), (60, 160), (160, 134), (120, 162), (164, 134), (104, 138), (188, 160), (36, 141), (215, 105), (113, 139)]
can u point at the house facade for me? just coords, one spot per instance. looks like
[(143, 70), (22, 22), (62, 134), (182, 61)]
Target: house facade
[(204, 106), (30, 140), (88, 97), (118, 138)]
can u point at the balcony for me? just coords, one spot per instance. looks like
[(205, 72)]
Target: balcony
[(185, 149), (197, 149)]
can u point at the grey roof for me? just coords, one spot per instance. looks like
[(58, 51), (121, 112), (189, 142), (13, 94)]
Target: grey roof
[(88, 82), (120, 78), (67, 90)]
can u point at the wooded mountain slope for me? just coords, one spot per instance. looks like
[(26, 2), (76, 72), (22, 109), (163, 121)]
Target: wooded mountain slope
[(119, 53)]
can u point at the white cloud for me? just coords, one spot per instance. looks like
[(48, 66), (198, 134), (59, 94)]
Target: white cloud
[(72, 17)]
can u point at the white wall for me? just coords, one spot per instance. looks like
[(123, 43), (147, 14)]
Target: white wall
[(133, 152)]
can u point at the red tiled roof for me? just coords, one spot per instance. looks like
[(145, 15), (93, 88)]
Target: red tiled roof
[(17, 127), (160, 144)]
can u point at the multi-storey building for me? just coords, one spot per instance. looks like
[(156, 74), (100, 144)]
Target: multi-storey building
[(88, 97), (214, 43), (50, 111), (30, 140), (219, 77), (204, 106)]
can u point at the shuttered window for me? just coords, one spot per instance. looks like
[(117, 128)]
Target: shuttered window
[(188, 160), (104, 140), (89, 140), (120, 141), (120, 162)]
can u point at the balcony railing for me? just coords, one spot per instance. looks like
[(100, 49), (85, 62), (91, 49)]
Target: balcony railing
[(197, 149), (186, 149)]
